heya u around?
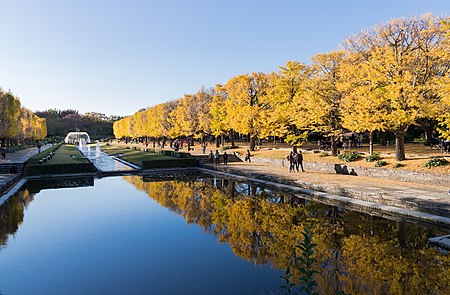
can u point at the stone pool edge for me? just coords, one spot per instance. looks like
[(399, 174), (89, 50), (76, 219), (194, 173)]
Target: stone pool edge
[(335, 200)]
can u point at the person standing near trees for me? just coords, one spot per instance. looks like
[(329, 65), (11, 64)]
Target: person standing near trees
[(225, 158), (204, 148), (299, 161), (247, 156), (217, 157), (211, 157), (291, 160)]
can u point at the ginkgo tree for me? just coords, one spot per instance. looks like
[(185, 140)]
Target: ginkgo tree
[(18, 124), (318, 109), (285, 88), (403, 59), (363, 104), (246, 103)]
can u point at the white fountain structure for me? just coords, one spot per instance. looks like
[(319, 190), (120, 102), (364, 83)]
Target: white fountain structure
[(79, 138)]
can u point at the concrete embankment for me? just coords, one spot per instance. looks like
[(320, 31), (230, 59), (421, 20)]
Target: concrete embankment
[(421, 193)]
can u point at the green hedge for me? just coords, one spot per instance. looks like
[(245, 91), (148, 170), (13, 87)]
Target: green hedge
[(40, 169), (172, 163), (175, 154)]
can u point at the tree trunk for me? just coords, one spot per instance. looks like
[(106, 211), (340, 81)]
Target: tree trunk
[(232, 137), (400, 145), (333, 146), (252, 143), (429, 135), (217, 141), (371, 143)]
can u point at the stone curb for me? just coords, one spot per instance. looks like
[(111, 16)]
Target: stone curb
[(325, 197)]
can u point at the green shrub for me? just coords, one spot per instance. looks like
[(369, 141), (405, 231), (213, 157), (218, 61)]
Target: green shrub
[(436, 162), (380, 163), (323, 154), (398, 165), (13, 149), (349, 157), (372, 158)]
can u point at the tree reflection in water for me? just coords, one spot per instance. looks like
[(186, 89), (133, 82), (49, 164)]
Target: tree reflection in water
[(357, 253), (11, 214)]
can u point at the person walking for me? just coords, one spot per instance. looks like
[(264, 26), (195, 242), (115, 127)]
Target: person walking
[(217, 157), (225, 158), (204, 148), (211, 157), (4, 153), (299, 161), (291, 161), (247, 156)]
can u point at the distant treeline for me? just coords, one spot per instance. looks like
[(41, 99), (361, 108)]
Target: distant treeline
[(61, 122), (17, 124)]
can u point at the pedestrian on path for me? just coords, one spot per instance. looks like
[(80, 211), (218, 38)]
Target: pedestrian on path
[(3, 153), (204, 148), (217, 157), (299, 161), (291, 161), (247, 156), (211, 157), (225, 158)]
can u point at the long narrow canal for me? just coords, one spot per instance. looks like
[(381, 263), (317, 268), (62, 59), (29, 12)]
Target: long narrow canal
[(202, 235)]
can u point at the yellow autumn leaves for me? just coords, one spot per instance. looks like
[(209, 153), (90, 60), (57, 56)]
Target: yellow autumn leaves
[(18, 123), (384, 79)]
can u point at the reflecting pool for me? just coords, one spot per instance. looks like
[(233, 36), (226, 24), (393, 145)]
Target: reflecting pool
[(202, 235)]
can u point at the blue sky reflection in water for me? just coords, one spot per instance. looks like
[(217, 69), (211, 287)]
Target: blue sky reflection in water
[(138, 235), (112, 239)]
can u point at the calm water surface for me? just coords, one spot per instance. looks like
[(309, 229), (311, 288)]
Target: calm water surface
[(141, 235)]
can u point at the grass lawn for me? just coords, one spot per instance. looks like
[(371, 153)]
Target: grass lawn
[(66, 154), (67, 159), (146, 159)]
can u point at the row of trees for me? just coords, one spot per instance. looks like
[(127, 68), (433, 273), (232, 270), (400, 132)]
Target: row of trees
[(61, 122), (387, 78), (18, 124)]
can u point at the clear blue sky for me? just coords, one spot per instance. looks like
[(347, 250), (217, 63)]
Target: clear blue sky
[(116, 57)]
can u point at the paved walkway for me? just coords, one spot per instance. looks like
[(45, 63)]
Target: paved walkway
[(22, 156)]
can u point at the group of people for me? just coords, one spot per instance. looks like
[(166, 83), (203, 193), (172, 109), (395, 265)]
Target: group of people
[(295, 161), (214, 158)]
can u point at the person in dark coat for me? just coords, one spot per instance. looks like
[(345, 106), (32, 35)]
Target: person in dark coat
[(299, 161), (291, 160), (211, 157), (247, 156), (225, 158), (217, 157)]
